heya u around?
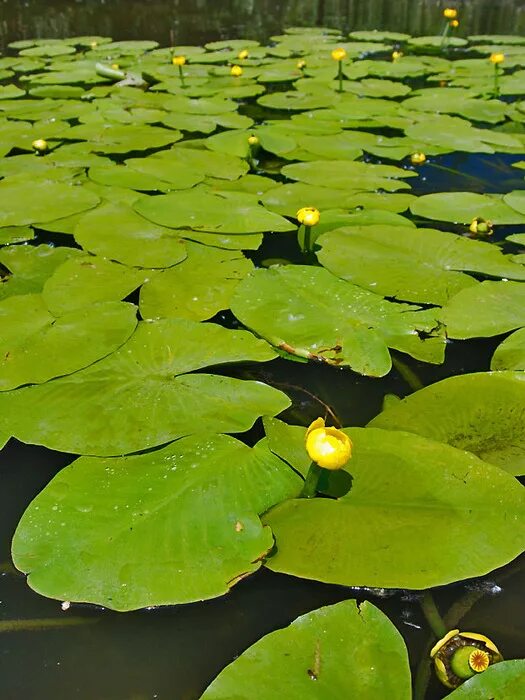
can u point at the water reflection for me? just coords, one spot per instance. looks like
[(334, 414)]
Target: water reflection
[(197, 21)]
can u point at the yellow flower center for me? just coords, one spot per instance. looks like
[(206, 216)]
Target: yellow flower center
[(339, 54), (309, 216), (496, 58), (450, 13), (479, 661), (178, 60)]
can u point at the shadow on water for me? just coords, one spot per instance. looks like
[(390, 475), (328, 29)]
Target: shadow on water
[(175, 652)]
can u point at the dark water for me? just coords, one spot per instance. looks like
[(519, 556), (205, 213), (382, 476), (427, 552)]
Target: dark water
[(175, 652)]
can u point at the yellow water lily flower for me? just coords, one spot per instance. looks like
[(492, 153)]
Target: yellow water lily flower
[(243, 54), (481, 227), (450, 13), (178, 60), (455, 23), (301, 64), (496, 58), (460, 655), (339, 54), (40, 145), (253, 140), (236, 71), (418, 158), (309, 216), (329, 448), (396, 55), (115, 66)]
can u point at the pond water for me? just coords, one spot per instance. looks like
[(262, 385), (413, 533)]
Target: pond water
[(175, 652)]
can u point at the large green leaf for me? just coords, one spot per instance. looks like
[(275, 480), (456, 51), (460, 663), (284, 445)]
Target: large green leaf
[(341, 651), (197, 288), (141, 396), (510, 354), (309, 312), (117, 232), (415, 508), (483, 413), (462, 207), (33, 201), (199, 210), (122, 138), (488, 309), (422, 265), (502, 681), (175, 525), (348, 175), (35, 346)]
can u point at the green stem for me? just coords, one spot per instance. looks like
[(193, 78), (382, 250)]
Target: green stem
[(340, 76), (410, 377), (181, 75), (496, 80), (311, 481), (432, 614), (42, 624), (444, 36)]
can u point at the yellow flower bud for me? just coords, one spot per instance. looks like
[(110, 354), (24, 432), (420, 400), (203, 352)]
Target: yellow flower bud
[(242, 55), (454, 23), (339, 54), (450, 13), (461, 655), (396, 55), (330, 448), (481, 227), (418, 158), (309, 216), (496, 58), (236, 71), (115, 66), (40, 145), (253, 140), (301, 64), (178, 60)]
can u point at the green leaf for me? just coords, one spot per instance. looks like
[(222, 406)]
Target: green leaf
[(175, 525), (415, 507), (226, 167), (488, 309), (308, 312), (197, 288), (503, 680), (141, 396), (36, 346), (201, 211), (421, 265), (117, 232), (510, 354), (86, 280), (15, 234), (36, 201), (340, 651), (343, 174), (122, 138), (462, 207), (483, 413)]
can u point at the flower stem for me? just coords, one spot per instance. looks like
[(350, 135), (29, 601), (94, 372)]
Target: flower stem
[(311, 481), (340, 76), (432, 614), (444, 36), (181, 75), (496, 80)]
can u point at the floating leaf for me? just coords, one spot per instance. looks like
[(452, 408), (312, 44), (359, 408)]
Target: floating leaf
[(343, 650), (488, 309), (141, 396), (348, 175), (462, 207), (36, 346), (308, 312), (117, 232), (483, 413), (196, 289), (502, 680), (387, 531), (510, 354), (175, 525)]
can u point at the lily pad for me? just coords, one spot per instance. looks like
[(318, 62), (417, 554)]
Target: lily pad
[(175, 525), (36, 346), (344, 650), (483, 413), (117, 232), (348, 175), (503, 680), (16, 234), (142, 396), (488, 309), (366, 539), (198, 210), (308, 312), (462, 207), (421, 265), (510, 354), (197, 288)]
